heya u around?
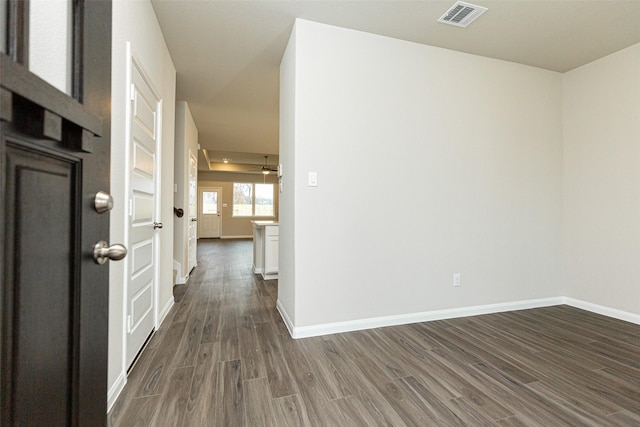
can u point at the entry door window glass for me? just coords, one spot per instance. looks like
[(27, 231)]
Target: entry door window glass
[(50, 42), (209, 202)]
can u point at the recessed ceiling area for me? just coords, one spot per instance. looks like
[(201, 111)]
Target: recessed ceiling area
[(237, 162), (227, 53)]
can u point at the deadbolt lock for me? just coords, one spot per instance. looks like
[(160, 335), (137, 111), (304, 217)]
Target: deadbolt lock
[(103, 202)]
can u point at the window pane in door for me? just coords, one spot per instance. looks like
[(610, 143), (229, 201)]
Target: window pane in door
[(50, 52), (209, 202), (264, 200)]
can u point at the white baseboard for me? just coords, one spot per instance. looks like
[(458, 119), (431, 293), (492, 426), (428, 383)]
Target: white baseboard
[(115, 390), (605, 311), (180, 278), (163, 313), (249, 236), (379, 322), (285, 318)]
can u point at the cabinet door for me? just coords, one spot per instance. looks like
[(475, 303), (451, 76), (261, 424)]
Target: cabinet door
[(271, 250)]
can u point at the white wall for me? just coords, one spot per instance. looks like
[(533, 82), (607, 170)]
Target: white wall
[(287, 211), (602, 182), (430, 162), (186, 139), (135, 22)]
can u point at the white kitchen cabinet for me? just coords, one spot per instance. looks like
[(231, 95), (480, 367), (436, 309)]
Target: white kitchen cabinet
[(265, 248), (271, 233)]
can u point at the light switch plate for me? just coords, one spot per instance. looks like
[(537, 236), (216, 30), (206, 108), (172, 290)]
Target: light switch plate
[(313, 179)]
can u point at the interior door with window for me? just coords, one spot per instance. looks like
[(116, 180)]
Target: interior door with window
[(54, 220), (209, 213)]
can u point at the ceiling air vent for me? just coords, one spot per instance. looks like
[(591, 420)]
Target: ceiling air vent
[(462, 14)]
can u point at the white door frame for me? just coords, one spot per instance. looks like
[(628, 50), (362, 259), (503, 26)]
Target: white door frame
[(133, 61)]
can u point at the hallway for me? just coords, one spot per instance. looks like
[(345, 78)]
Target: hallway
[(223, 357), (195, 354)]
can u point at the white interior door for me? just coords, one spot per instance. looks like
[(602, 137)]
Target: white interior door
[(209, 219), (144, 224), (193, 209)]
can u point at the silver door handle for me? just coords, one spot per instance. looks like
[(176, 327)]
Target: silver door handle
[(157, 225), (102, 252)]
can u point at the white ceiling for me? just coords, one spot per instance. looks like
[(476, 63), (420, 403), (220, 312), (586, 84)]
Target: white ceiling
[(227, 53)]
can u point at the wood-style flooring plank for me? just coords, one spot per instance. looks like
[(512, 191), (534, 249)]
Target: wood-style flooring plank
[(290, 412), (200, 410), (573, 396), (358, 385), (312, 391), (140, 413), (229, 339), (258, 404), (157, 373), (229, 388), (330, 379), (253, 365), (174, 398), (278, 373), (532, 406), (134, 381), (404, 403), (624, 419), (187, 350), (211, 325), (439, 411)]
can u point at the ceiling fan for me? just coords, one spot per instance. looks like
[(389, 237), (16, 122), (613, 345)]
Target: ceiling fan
[(266, 168)]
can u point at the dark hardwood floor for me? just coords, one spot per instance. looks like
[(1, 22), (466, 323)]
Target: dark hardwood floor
[(223, 357)]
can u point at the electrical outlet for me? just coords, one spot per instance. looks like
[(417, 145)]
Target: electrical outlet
[(456, 279)]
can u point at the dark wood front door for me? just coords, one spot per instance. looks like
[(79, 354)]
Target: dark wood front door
[(54, 158)]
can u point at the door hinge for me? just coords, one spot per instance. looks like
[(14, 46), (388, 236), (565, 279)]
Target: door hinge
[(130, 207), (129, 323), (132, 92)]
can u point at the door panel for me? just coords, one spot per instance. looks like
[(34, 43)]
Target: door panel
[(143, 239), (209, 213), (42, 384), (54, 158)]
